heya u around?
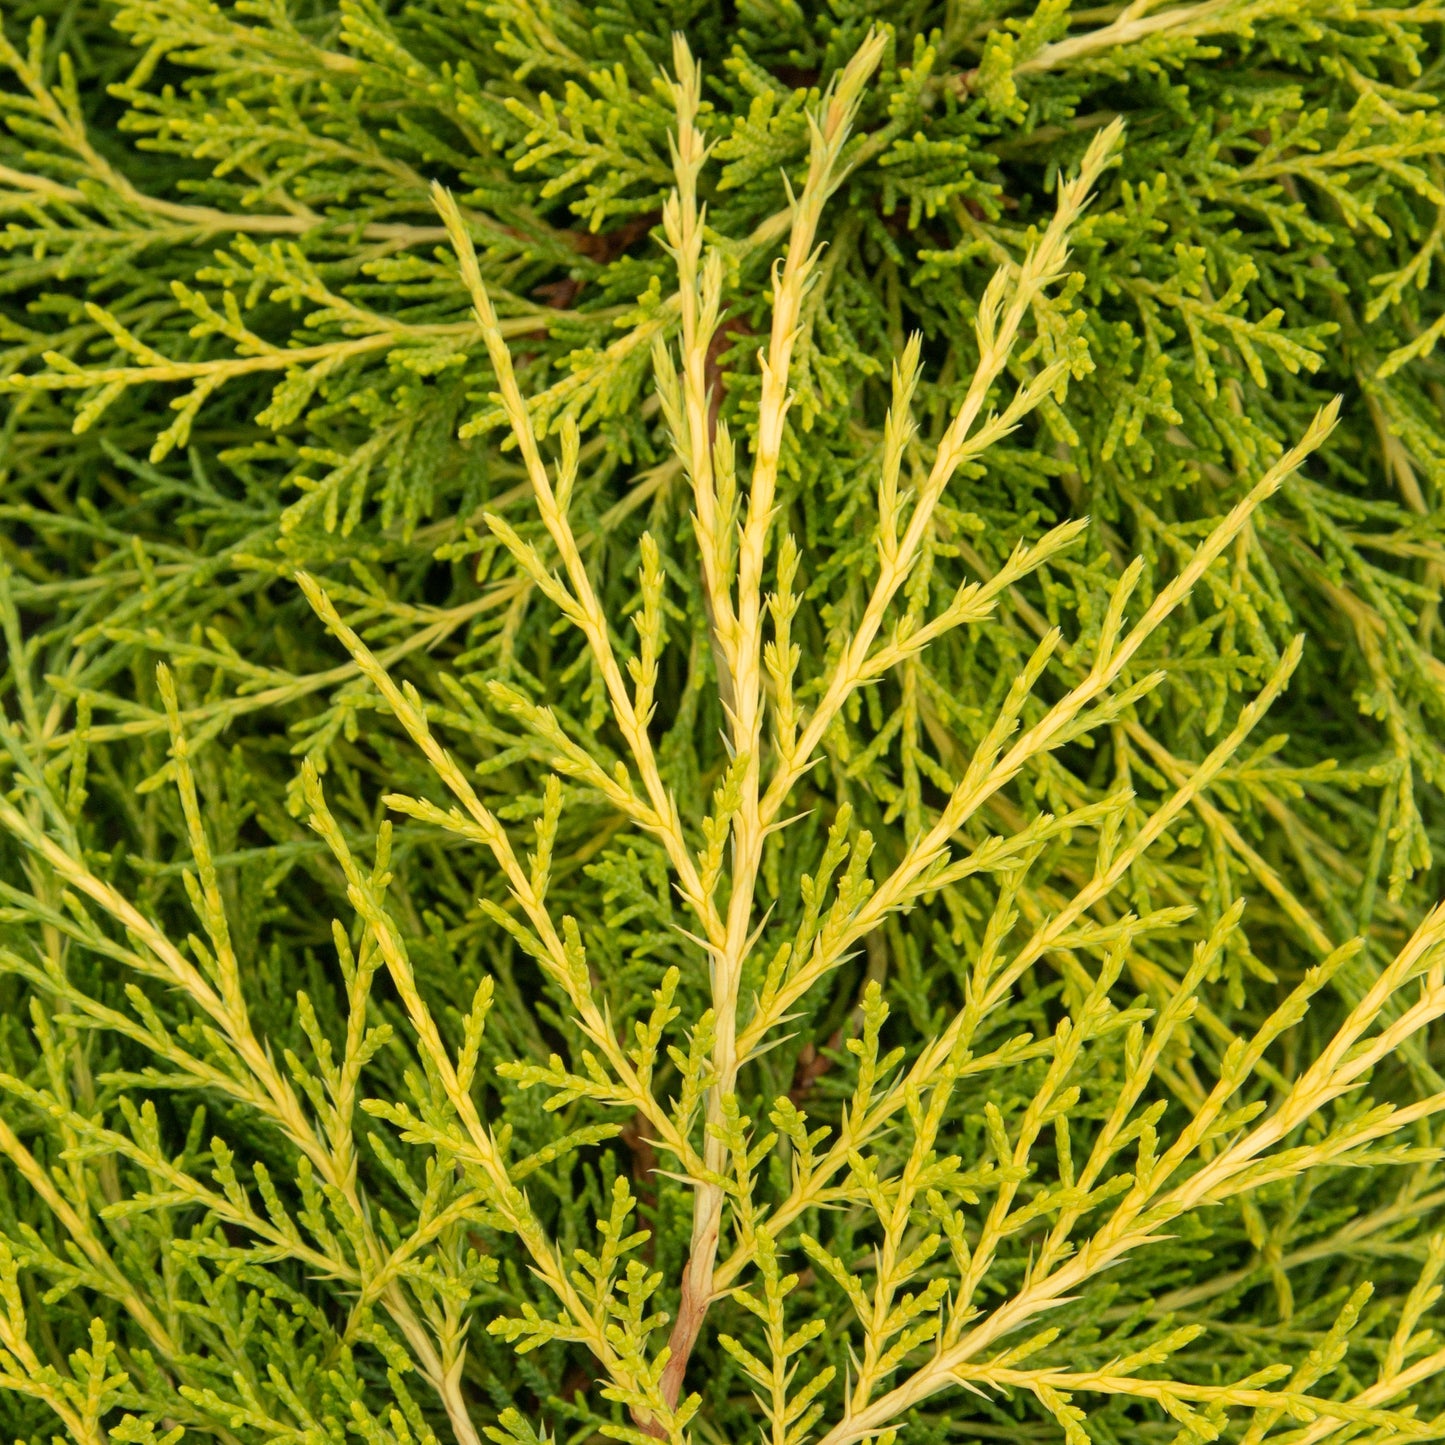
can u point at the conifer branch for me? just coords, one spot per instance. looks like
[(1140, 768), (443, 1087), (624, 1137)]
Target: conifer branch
[(803, 554)]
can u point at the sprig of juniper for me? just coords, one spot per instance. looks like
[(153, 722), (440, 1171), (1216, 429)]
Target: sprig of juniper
[(303, 1274), (941, 1229)]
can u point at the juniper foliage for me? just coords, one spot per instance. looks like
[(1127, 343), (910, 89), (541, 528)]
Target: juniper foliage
[(721, 722)]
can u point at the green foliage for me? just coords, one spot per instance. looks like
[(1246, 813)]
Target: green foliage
[(721, 722)]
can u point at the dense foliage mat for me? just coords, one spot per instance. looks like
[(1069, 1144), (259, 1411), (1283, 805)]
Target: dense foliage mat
[(721, 721)]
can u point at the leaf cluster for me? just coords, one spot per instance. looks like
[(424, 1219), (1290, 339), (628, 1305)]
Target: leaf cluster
[(720, 738)]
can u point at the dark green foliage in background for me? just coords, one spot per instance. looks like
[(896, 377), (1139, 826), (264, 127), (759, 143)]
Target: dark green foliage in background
[(235, 345)]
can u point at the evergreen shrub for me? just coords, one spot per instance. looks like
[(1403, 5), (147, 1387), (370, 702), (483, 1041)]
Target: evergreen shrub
[(721, 721)]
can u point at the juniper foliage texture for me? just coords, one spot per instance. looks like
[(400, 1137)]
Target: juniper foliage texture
[(721, 722)]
